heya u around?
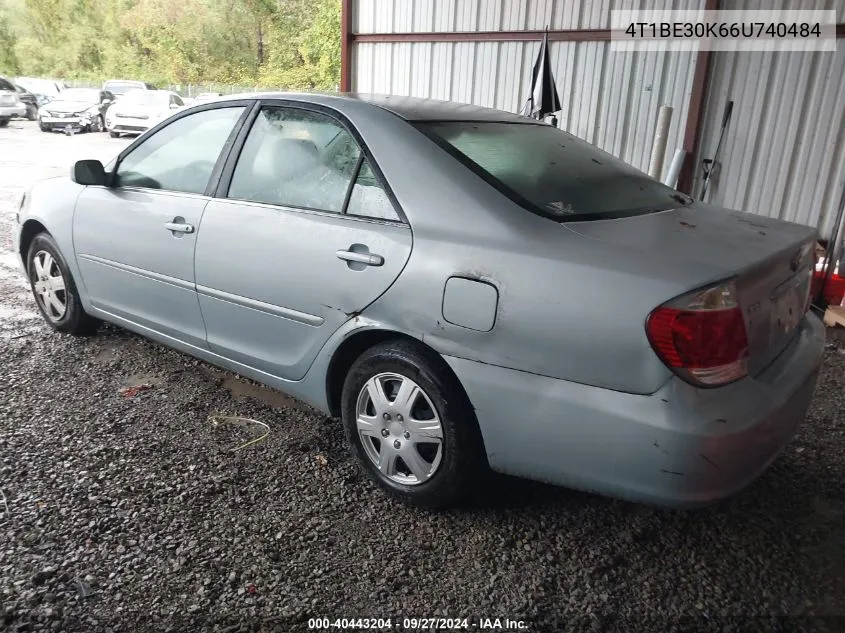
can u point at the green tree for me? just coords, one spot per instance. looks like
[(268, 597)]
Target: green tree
[(8, 57), (274, 43)]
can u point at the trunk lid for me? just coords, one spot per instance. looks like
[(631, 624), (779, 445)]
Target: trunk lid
[(771, 261)]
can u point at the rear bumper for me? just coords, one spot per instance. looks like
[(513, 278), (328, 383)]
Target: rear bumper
[(678, 447), (129, 126), (15, 110)]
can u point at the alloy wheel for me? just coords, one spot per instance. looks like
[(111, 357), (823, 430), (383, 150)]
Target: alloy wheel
[(399, 429), (49, 285)]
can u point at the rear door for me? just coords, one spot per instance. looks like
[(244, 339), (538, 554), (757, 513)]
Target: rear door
[(134, 241), (303, 236)]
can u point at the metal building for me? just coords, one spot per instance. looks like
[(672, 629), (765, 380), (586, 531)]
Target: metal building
[(784, 154)]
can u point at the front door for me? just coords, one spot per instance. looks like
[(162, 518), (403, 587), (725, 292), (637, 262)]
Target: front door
[(134, 241), (305, 239)]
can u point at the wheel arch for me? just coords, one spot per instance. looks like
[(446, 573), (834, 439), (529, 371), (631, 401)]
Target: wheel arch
[(356, 344), (30, 229)]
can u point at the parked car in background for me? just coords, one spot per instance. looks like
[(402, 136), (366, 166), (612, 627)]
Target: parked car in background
[(76, 109), (139, 110), (10, 105), (205, 97), (464, 287), (45, 90), (120, 87), (24, 96)]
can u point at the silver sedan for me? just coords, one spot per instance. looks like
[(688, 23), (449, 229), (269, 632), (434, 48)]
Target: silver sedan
[(465, 288)]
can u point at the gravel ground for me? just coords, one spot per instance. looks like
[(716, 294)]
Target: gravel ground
[(129, 512)]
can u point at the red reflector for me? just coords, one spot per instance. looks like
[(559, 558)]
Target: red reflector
[(698, 339)]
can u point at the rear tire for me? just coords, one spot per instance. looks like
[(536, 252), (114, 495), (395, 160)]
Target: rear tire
[(54, 289), (114, 134), (426, 450), (4, 122)]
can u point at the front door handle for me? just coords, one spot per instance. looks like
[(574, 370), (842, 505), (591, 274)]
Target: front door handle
[(177, 227), (368, 259)]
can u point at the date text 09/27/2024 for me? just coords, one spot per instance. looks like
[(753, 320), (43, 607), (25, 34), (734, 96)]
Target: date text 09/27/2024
[(416, 624)]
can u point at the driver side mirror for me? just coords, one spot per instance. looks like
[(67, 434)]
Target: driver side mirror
[(88, 172)]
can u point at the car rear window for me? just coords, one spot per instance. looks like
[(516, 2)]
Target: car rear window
[(551, 172)]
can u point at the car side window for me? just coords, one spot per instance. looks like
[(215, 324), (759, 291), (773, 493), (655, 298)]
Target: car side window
[(295, 158), (180, 156), (368, 198)]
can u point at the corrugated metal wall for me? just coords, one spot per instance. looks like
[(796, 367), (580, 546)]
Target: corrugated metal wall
[(785, 153), (609, 98)]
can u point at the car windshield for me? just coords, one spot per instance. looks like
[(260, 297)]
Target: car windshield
[(146, 98), (551, 172), (37, 86), (83, 95)]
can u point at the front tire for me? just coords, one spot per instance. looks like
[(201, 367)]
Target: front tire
[(4, 122), (114, 134), (96, 125), (32, 113), (54, 289), (410, 426)]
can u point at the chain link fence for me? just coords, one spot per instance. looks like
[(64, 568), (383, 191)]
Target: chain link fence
[(184, 90)]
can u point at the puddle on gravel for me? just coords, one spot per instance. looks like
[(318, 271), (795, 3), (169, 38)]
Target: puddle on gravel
[(106, 355), (141, 379), (239, 388)]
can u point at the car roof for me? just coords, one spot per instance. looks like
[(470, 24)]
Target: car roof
[(408, 108)]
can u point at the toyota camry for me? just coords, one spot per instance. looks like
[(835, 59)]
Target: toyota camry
[(466, 289)]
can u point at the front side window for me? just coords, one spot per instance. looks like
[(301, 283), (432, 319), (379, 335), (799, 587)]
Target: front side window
[(295, 158), (180, 156), (550, 172)]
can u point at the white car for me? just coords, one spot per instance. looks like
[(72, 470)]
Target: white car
[(139, 110)]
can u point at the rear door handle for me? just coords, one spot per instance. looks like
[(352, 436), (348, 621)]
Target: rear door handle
[(361, 258), (176, 227)]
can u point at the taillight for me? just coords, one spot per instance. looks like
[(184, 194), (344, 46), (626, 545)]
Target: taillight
[(701, 336)]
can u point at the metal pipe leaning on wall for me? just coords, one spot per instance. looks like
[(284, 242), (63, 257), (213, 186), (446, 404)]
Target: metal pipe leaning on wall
[(661, 135), (675, 168)]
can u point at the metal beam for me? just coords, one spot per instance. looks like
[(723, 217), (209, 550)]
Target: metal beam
[(573, 35), (346, 36), (560, 35), (695, 113)]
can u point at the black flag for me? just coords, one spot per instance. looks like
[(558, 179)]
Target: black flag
[(542, 98)]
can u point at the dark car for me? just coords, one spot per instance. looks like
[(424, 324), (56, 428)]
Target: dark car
[(120, 87), (26, 97), (76, 109)]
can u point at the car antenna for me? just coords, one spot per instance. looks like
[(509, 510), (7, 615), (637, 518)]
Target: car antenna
[(709, 163)]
